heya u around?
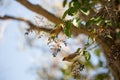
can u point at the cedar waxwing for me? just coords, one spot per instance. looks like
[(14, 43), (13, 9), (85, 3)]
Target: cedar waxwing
[(72, 57), (56, 30)]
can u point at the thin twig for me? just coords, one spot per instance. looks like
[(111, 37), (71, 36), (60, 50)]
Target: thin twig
[(32, 26)]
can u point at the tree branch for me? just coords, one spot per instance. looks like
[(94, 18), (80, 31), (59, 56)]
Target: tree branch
[(38, 9), (32, 26)]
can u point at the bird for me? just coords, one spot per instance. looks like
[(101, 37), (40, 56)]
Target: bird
[(58, 28), (73, 56)]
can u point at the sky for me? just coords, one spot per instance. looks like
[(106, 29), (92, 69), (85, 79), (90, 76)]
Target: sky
[(17, 59), (14, 63)]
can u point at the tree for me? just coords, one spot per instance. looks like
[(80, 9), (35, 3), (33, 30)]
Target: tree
[(100, 20)]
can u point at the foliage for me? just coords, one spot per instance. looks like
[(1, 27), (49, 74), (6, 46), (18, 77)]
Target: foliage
[(101, 20), (95, 16)]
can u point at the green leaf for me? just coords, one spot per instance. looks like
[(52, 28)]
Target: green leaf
[(85, 11), (77, 51), (77, 22), (85, 1), (77, 4), (70, 3), (72, 11), (108, 22), (98, 20), (87, 55), (88, 64), (97, 52), (88, 23), (67, 30), (64, 3), (65, 14), (93, 20)]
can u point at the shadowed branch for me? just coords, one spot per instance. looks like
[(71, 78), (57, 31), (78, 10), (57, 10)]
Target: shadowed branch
[(32, 26)]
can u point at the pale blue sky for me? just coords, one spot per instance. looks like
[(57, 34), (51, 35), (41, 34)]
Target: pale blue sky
[(16, 57)]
